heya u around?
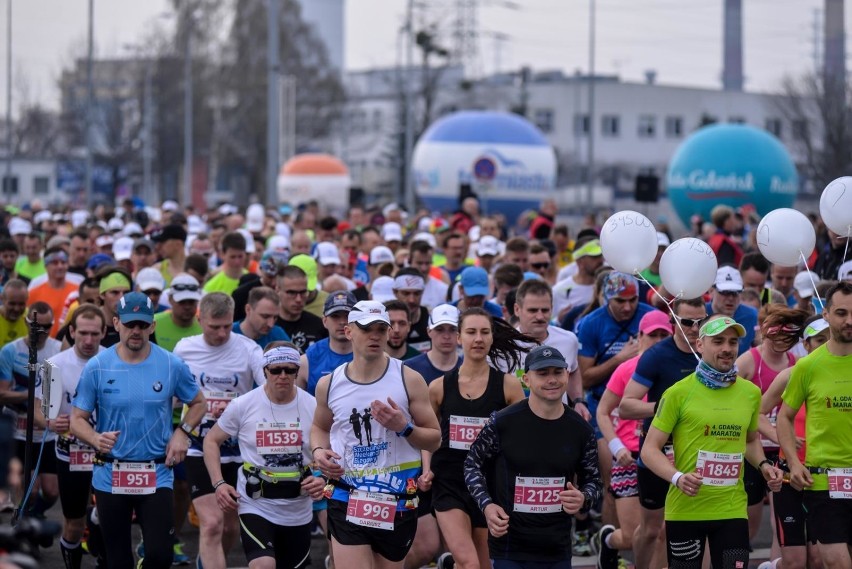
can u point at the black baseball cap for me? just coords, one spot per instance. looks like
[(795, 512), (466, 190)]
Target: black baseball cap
[(168, 232), (542, 357)]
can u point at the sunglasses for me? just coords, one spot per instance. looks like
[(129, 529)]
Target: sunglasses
[(690, 322), (136, 325), (185, 287), (282, 370), (152, 292), (540, 265)]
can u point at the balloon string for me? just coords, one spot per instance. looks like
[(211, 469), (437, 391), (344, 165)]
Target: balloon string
[(669, 304), (811, 275), (846, 249)]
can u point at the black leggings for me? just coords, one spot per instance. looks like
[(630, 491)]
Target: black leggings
[(154, 513), (728, 543)]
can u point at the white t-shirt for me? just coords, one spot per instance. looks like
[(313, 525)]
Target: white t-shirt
[(568, 293), (568, 270), (70, 368), (240, 420), (223, 373), (435, 293)]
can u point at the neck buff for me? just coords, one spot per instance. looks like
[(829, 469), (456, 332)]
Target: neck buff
[(713, 378)]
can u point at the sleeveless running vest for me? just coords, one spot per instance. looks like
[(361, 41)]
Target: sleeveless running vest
[(374, 458), (448, 463)]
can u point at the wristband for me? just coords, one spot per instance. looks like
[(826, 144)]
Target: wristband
[(676, 477), (404, 433), (313, 450), (764, 461), (215, 486), (577, 401), (615, 445)]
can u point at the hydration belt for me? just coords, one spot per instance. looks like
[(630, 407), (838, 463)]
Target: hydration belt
[(273, 485)]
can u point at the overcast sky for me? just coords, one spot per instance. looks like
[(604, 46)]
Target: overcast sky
[(680, 39)]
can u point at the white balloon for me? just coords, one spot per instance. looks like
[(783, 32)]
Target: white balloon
[(835, 206), (785, 235), (688, 267), (629, 241)]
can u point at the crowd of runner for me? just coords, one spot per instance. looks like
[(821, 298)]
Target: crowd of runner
[(455, 389)]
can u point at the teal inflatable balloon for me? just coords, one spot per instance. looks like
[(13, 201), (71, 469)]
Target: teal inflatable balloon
[(730, 164)]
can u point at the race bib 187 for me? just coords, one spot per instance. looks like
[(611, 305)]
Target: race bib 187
[(464, 430)]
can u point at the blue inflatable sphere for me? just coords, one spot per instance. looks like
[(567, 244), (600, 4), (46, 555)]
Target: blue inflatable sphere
[(730, 164)]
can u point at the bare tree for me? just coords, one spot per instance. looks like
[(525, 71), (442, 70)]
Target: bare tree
[(821, 125)]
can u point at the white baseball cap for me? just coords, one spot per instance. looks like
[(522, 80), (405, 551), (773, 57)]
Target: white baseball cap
[(488, 245), (368, 312), (381, 254), (728, 279), (327, 253), (802, 284), (427, 237), (391, 231), (443, 314), (382, 289), (844, 273), (18, 226), (122, 248), (170, 205), (255, 215), (184, 287), (150, 278)]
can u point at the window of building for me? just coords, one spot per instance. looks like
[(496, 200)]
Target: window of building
[(543, 119), (10, 185), (611, 125), (647, 126), (377, 120), (800, 129), (674, 127), (774, 126), (41, 185), (581, 124)]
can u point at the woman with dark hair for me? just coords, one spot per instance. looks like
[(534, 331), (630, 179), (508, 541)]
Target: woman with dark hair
[(780, 329), (463, 400)]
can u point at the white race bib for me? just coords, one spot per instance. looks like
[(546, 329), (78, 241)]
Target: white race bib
[(464, 430), (134, 478), (278, 438), (81, 458), (840, 483), (538, 495), (217, 401), (719, 469), (371, 509)]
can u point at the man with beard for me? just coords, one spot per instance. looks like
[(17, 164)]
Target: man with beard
[(261, 311), (400, 325), (711, 417), (821, 382), (303, 327)]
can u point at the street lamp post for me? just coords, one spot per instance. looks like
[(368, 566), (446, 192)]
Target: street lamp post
[(272, 104), (88, 182), (187, 108), (591, 153), (8, 96)]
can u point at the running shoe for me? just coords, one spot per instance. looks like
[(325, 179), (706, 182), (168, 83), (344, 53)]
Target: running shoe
[(178, 556), (446, 561), (580, 546), (607, 556)]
